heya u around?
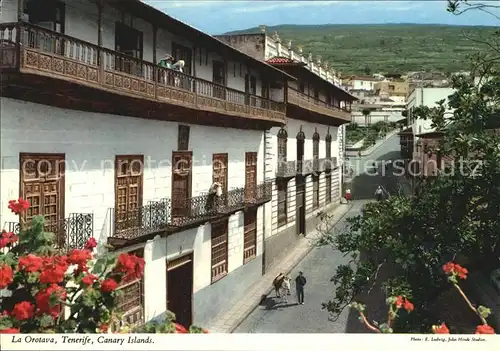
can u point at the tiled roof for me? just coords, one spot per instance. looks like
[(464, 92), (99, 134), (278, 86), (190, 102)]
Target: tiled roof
[(279, 59)]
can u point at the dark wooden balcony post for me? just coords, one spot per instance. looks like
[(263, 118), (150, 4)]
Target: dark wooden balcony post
[(20, 9), (100, 58), (285, 91)]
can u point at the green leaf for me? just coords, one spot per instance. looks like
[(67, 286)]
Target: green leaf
[(483, 311), (5, 322), (32, 278), (46, 321)]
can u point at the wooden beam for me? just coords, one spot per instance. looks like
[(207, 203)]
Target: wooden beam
[(155, 32), (20, 9)]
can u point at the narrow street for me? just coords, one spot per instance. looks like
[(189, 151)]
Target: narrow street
[(275, 316)]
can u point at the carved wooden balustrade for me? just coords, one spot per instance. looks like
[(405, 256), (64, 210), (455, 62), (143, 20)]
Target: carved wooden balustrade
[(286, 169), (35, 50), (307, 102), (176, 214), (71, 233)]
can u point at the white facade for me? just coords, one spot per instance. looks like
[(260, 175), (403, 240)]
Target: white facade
[(386, 115), (275, 48), (91, 141), (363, 84), (81, 22), (425, 97)]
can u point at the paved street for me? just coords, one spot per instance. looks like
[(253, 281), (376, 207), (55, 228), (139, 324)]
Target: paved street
[(275, 316)]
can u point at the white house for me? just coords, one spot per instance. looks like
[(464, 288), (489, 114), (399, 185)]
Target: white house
[(170, 165), (425, 97), (306, 155), (366, 83)]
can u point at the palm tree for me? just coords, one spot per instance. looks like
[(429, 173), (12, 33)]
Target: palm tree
[(366, 112)]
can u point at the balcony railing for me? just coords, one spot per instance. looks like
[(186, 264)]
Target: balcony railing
[(172, 215), (286, 169), (71, 233), (298, 98), (49, 53)]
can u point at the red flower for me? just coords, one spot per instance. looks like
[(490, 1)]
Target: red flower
[(79, 257), (30, 263), (451, 268), (408, 306), (7, 238), (54, 269), (179, 329), (484, 329), (403, 302), (89, 279), (205, 331), (109, 285), (103, 328), (131, 265), (42, 299), (6, 276), (23, 310), (10, 331), (91, 244), (18, 206), (440, 329)]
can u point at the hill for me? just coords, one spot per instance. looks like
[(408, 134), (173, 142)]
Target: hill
[(386, 48)]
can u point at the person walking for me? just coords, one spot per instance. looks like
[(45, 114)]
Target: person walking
[(348, 195), (379, 193), (300, 281)]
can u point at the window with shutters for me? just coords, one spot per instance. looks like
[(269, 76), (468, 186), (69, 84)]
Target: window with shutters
[(128, 191), (131, 302), (315, 192), (183, 138), (282, 142), (42, 184), (328, 152), (181, 183), (328, 188), (219, 172), (282, 203), (250, 236), (219, 249), (250, 175), (315, 145)]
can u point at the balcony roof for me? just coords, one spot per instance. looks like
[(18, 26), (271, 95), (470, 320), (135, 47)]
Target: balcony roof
[(280, 60), (182, 29)]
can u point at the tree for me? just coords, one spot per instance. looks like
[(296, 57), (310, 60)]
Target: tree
[(366, 112), (454, 216)]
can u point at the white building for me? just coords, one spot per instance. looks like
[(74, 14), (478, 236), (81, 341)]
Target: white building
[(104, 142), (305, 156), (425, 97), (366, 83)]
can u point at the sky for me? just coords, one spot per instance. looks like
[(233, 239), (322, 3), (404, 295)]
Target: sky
[(217, 17)]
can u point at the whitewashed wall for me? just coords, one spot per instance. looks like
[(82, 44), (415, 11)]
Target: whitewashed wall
[(359, 84), (92, 140), (426, 97), (293, 128)]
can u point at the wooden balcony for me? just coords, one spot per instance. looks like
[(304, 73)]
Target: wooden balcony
[(169, 216), (29, 54), (316, 106)]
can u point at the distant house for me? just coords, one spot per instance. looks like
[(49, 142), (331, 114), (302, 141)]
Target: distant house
[(363, 82)]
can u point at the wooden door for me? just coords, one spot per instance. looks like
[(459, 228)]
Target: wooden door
[(42, 184), (181, 183), (219, 173), (250, 176), (180, 52), (128, 191), (219, 78), (180, 289), (300, 201)]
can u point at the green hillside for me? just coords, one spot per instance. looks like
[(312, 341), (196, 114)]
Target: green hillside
[(386, 48)]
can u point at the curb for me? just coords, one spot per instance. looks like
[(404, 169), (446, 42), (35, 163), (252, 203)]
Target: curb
[(375, 147), (301, 258)]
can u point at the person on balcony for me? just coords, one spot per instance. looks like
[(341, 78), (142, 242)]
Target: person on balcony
[(166, 61)]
